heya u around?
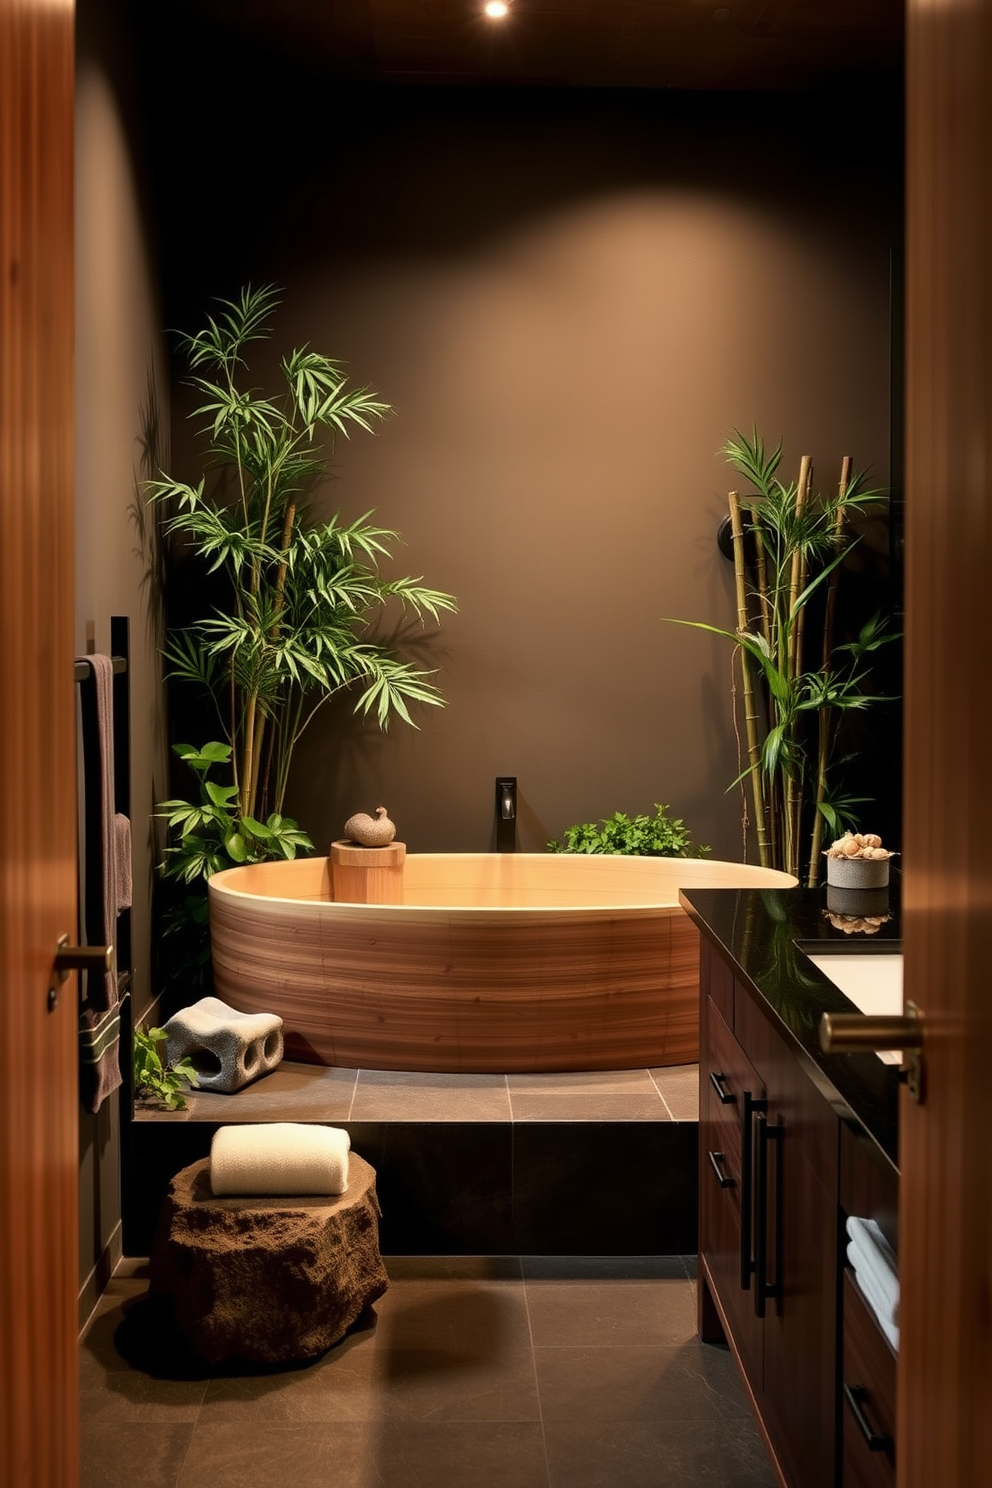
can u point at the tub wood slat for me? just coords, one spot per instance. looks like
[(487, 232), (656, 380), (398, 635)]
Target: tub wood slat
[(464, 987)]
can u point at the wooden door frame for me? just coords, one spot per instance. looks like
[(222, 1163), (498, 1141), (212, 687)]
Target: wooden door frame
[(945, 1364), (39, 1392)]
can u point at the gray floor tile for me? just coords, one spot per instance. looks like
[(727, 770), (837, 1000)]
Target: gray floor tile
[(574, 1314), (459, 1455), (458, 1383), (110, 1391), (116, 1455), (639, 1382), (293, 1092), (453, 1268), (390, 1095), (339, 1386), (584, 1082), (223, 1454), (480, 1319), (556, 1105), (678, 1086), (645, 1454), (507, 1371), (603, 1268)]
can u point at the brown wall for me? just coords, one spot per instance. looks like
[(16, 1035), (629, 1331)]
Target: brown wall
[(121, 398), (570, 303)]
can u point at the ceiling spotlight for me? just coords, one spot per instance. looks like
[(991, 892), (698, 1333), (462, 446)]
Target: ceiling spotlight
[(497, 10)]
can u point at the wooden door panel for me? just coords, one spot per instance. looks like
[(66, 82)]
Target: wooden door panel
[(38, 1144), (945, 1228)]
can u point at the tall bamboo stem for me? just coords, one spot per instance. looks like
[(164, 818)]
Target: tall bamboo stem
[(287, 532), (750, 711), (256, 761), (762, 570), (794, 645), (248, 763), (823, 741), (798, 571)]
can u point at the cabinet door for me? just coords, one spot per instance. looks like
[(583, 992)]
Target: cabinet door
[(796, 1221), (868, 1402), (727, 1088)]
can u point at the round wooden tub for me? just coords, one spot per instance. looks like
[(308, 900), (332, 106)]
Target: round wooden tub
[(492, 961)]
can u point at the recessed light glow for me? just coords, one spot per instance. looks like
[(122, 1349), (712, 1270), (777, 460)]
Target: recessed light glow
[(496, 10)]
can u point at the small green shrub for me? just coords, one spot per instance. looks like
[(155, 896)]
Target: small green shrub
[(658, 836), (155, 1079)]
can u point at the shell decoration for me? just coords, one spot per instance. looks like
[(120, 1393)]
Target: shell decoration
[(859, 845), (370, 831)]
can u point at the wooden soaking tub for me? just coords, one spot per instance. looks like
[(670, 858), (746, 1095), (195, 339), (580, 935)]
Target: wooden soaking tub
[(497, 962)]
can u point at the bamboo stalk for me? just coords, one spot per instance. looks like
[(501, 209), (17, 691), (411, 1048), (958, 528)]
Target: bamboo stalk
[(762, 566), (823, 741), (234, 731), (750, 712), (840, 517), (256, 760), (287, 533), (794, 664), (249, 745), (798, 575)]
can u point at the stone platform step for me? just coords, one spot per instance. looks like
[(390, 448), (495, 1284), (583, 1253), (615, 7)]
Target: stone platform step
[(597, 1163)]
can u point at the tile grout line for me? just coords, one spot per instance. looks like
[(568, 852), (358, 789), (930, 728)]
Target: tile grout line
[(533, 1365)]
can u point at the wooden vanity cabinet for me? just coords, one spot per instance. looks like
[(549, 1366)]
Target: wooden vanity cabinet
[(868, 1366), (769, 1224)]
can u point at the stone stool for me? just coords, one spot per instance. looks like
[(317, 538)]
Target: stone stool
[(267, 1279), (242, 1045)]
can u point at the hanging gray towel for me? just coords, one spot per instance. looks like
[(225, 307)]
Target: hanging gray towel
[(99, 1017)]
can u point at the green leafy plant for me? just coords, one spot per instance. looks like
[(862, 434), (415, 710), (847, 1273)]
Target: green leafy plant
[(658, 836), (212, 833), (301, 594), (153, 1078), (295, 603), (788, 545)]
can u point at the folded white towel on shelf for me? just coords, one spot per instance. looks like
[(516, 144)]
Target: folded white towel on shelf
[(878, 1259), (279, 1157), (874, 1298)]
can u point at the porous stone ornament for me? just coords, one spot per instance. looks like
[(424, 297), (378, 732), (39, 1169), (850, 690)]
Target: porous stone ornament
[(267, 1279), (227, 1048), (367, 831)]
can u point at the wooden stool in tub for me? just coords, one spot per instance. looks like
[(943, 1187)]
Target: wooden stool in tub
[(278, 1272)]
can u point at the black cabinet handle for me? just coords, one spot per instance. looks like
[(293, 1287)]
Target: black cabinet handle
[(749, 1105), (765, 1288), (719, 1082), (717, 1160), (876, 1441)]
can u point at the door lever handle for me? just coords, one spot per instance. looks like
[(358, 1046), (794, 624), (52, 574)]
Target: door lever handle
[(850, 1033), (75, 958), (81, 958), (857, 1033)]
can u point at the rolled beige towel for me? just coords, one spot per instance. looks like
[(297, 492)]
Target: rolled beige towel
[(279, 1157)]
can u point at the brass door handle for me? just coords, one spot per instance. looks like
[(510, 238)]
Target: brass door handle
[(81, 958), (75, 958), (858, 1033), (850, 1033)]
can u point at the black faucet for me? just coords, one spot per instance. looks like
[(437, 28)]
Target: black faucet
[(506, 813)]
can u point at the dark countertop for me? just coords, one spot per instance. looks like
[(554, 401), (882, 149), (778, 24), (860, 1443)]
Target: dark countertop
[(764, 932)]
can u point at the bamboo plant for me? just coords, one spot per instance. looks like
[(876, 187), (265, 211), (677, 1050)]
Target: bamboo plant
[(298, 596), (789, 543)]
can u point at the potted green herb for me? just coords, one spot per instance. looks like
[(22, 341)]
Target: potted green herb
[(658, 836)]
